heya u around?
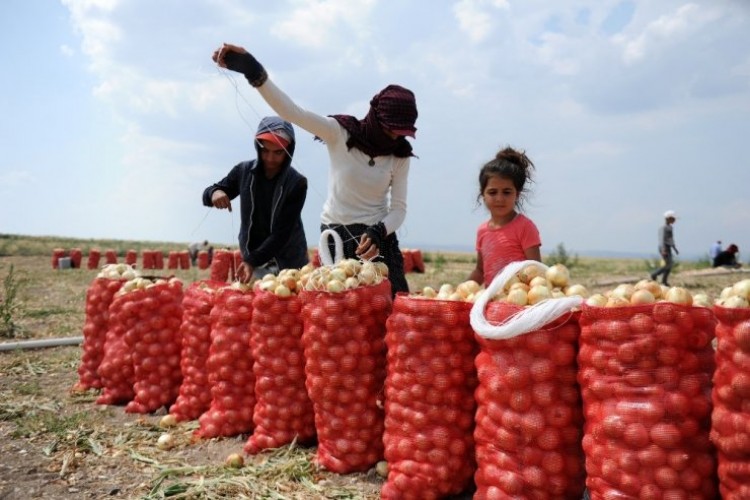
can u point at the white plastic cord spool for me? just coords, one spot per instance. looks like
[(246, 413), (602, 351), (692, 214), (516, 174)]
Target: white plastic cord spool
[(325, 253), (528, 319)]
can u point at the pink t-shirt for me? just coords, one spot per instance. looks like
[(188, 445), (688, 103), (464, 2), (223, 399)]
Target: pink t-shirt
[(499, 246)]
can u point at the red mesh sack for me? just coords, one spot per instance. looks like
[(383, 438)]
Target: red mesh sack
[(645, 374), (529, 419), (173, 260), (230, 367), (730, 428), (429, 405), (147, 259), (153, 336), (131, 256), (283, 410), (76, 256), (344, 341), (416, 257), (110, 257), (57, 254), (158, 259), (202, 259), (116, 369), (408, 261), (184, 259), (194, 397), (99, 297), (94, 258), (222, 265)]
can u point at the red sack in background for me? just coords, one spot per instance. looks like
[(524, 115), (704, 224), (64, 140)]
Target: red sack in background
[(110, 257), (202, 259), (408, 261), (173, 260), (116, 369), (730, 429), (429, 406), (99, 296), (230, 366), (184, 259), (416, 257), (76, 256), (645, 375), (283, 410), (344, 341), (57, 254), (158, 259), (529, 419), (131, 256), (222, 265), (194, 397), (153, 336), (147, 259), (94, 258)]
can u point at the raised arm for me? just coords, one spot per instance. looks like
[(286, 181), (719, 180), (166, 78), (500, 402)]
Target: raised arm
[(238, 59)]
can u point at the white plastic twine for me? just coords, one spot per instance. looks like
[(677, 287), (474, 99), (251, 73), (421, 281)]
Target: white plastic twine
[(529, 318), (325, 253)]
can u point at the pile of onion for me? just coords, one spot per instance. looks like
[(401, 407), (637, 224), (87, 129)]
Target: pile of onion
[(153, 336), (730, 429), (343, 338), (429, 408), (283, 410), (230, 366)]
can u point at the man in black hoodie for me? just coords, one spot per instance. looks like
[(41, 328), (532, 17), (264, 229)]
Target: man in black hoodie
[(272, 194)]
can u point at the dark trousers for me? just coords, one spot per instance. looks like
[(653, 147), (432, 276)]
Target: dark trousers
[(664, 270), (390, 254)]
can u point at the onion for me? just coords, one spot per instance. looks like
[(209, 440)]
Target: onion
[(168, 420), (538, 293), (597, 300), (679, 295), (540, 281), (165, 442), (235, 461), (382, 468), (642, 296), (734, 302), (429, 292), (517, 296), (558, 275), (742, 288), (701, 300), (579, 290)]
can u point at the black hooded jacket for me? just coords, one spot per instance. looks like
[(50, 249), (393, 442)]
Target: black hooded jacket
[(286, 242)]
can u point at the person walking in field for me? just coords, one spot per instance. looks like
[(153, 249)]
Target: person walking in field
[(369, 163), (666, 246), (272, 194), (508, 236), (194, 248)]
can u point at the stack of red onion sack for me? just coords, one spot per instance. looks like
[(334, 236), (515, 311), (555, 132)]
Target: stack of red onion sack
[(730, 430), (131, 257), (429, 408), (94, 257), (99, 297), (344, 312), (283, 410), (230, 365), (529, 419), (153, 337), (184, 259), (76, 256), (116, 368), (194, 396), (110, 257), (222, 266), (57, 254), (645, 376), (173, 260)]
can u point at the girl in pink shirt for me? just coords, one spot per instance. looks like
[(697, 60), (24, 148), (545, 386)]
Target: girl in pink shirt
[(508, 236)]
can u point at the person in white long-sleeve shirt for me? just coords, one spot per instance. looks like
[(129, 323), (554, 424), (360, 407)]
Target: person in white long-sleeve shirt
[(369, 163)]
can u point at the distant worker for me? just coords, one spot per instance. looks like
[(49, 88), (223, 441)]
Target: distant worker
[(728, 257), (666, 245), (196, 247), (715, 250)]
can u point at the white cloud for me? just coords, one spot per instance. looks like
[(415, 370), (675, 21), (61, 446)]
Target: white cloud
[(67, 50), (667, 29), (319, 24), (12, 179), (475, 19)]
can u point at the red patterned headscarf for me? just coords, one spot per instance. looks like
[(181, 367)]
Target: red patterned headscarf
[(395, 109)]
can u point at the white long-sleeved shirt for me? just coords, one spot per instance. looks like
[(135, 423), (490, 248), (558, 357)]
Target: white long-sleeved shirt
[(357, 192)]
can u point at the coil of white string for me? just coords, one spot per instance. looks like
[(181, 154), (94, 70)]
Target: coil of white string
[(528, 319)]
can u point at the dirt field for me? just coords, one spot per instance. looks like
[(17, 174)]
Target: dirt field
[(56, 444)]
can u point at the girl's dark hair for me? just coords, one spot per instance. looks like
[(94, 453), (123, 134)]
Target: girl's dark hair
[(733, 248), (508, 164)]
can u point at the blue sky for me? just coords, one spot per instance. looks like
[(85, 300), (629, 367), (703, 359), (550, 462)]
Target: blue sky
[(115, 119)]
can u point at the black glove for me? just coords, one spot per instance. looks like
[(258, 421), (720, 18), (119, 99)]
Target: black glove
[(246, 64), (377, 234)]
